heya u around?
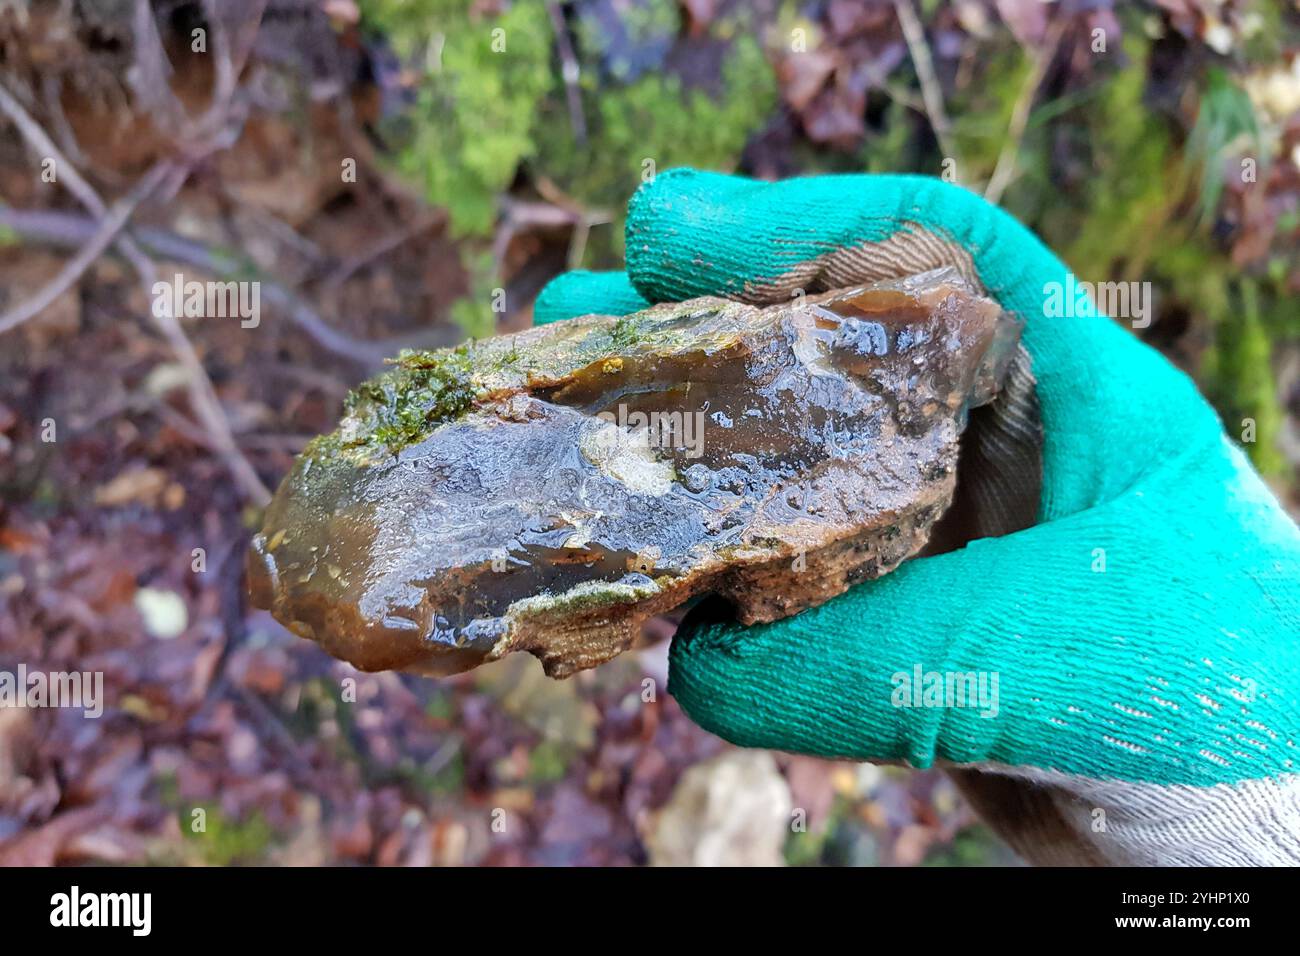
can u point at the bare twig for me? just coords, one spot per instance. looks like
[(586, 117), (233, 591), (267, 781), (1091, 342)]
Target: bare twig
[(226, 74), (931, 93), (182, 424), (230, 49), (73, 230), (212, 131), (52, 98), (151, 73), (109, 227), (207, 406), (578, 244), (584, 218), (904, 96), (307, 257), (552, 193), (283, 443), (570, 71), (519, 215), (44, 147), (1006, 164), (350, 267)]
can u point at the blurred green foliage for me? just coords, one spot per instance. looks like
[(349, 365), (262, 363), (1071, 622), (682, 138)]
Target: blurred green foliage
[(1225, 119), (491, 98), (651, 124), (477, 105), (218, 839), (224, 841)]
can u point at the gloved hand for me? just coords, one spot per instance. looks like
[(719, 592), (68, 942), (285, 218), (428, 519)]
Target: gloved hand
[(1144, 635)]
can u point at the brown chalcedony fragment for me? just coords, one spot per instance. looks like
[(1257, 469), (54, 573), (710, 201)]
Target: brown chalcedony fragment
[(550, 491)]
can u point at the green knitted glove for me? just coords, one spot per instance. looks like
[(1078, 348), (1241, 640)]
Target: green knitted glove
[(1139, 648)]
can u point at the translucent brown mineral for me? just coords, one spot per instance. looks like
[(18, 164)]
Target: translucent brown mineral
[(551, 490)]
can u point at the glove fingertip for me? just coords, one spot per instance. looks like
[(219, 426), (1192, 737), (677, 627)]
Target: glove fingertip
[(668, 220), (703, 678), (581, 292)]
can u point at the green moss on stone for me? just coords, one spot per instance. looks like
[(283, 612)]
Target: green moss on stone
[(423, 390)]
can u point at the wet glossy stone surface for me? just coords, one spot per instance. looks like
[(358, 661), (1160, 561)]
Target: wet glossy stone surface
[(551, 490)]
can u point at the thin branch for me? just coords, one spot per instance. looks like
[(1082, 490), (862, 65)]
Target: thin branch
[(902, 95), (71, 229), (518, 215), (52, 98), (109, 227), (66, 173), (584, 218), (931, 92), (350, 267), (203, 396), (1005, 169), (230, 51), (578, 244), (182, 424), (571, 72), (151, 74)]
